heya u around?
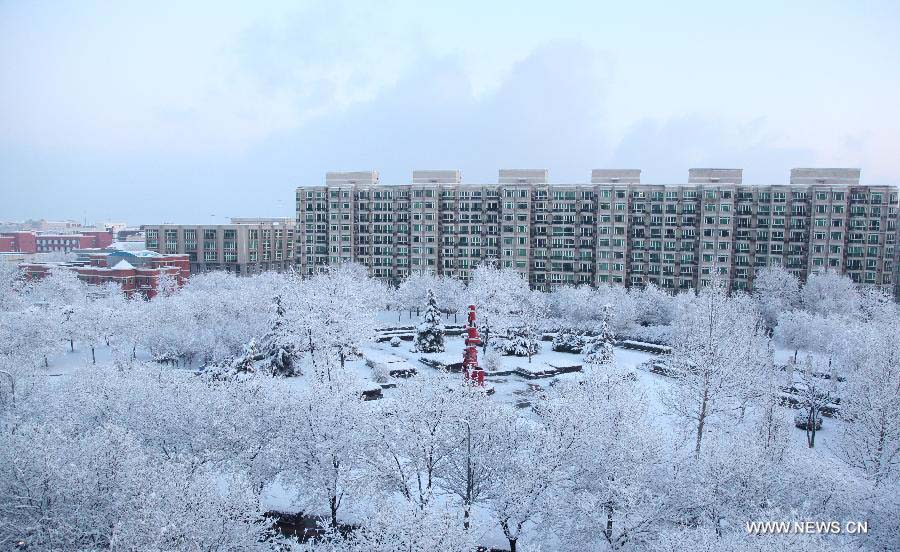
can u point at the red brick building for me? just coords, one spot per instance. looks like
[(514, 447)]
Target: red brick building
[(134, 271), (31, 242)]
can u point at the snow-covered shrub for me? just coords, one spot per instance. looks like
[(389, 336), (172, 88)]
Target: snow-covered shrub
[(430, 333), (517, 344), (492, 360), (661, 335), (395, 341), (568, 341)]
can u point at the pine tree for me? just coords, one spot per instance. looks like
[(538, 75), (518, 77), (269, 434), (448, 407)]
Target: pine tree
[(276, 349), (430, 333), (245, 363), (568, 341), (599, 350)]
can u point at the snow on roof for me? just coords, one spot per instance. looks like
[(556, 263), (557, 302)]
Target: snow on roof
[(145, 253), (123, 265), (127, 246)]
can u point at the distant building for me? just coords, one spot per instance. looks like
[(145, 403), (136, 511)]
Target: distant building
[(134, 271), (246, 246), (35, 242)]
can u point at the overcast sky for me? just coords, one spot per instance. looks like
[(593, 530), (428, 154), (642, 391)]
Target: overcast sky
[(179, 111)]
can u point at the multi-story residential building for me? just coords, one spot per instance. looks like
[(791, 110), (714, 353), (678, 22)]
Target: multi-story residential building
[(612, 230), (246, 246)]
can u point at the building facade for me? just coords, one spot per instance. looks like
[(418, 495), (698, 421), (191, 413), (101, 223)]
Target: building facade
[(612, 230), (37, 242), (136, 272), (246, 246)]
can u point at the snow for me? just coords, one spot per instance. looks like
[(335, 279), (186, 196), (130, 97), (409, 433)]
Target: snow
[(123, 265), (205, 456)]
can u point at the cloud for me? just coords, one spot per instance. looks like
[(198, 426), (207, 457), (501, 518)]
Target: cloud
[(665, 150), (550, 111)]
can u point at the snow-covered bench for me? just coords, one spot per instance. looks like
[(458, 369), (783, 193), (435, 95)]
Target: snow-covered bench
[(386, 364), (645, 346)]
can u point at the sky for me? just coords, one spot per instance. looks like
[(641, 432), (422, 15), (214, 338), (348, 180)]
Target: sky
[(151, 112)]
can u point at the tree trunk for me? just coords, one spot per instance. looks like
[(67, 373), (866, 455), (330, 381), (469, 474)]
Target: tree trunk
[(701, 421), (470, 477), (811, 428), (93, 356), (334, 509), (72, 345), (46, 363), (609, 523), (512, 545)]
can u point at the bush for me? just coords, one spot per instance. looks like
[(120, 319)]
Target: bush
[(395, 341), (517, 345), (567, 341)]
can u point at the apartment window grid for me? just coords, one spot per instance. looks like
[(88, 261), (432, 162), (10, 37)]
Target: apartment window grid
[(632, 234)]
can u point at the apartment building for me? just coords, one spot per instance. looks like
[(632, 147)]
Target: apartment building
[(246, 246), (612, 230)]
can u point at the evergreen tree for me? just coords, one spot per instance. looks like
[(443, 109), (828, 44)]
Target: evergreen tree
[(568, 341), (599, 350), (430, 333), (277, 350)]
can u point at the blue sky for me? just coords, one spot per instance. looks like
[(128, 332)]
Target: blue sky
[(167, 111)]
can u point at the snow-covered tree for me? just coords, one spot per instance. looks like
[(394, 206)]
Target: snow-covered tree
[(531, 317), (388, 526), (333, 313), (476, 438), (870, 403), (529, 472), (411, 438), (278, 349), (320, 448), (829, 293), (430, 333), (815, 393), (599, 352), (494, 291), (710, 354), (776, 290), (615, 494), (653, 306), (412, 293)]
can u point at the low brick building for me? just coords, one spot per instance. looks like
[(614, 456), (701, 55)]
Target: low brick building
[(134, 271), (33, 242)]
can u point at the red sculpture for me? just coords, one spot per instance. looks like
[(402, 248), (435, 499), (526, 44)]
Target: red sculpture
[(473, 373)]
